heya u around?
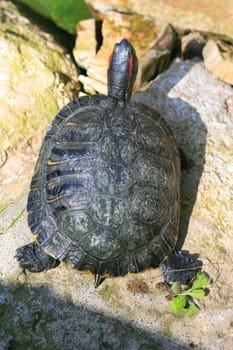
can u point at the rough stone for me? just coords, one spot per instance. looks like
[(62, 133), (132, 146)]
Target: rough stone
[(192, 45), (152, 62), (192, 24), (37, 78), (91, 86), (218, 59), (229, 103), (153, 46), (86, 44), (214, 16)]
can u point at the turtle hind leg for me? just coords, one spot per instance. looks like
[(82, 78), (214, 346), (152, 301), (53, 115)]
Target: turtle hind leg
[(181, 267), (32, 257)]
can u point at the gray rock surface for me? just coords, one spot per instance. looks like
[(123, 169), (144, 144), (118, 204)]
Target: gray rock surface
[(218, 59)]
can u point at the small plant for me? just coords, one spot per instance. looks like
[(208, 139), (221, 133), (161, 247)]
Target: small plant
[(184, 298), (13, 222)]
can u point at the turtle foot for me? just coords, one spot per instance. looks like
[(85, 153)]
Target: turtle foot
[(181, 267), (32, 257)]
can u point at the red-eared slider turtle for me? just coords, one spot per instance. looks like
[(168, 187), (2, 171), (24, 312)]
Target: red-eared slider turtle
[(105, 193)]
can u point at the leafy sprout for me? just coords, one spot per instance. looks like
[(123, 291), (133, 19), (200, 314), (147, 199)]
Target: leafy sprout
[(184, 298)]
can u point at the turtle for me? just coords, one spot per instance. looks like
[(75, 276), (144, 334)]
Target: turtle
[(105, 194)]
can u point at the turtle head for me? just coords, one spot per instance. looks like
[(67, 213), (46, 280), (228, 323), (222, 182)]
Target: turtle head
[(122, 71)]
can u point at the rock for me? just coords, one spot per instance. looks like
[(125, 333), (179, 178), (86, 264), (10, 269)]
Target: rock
[(214, 16), (218, 59), (37, 78), (229, 103), (86, 44), (194, 102), (153, 46), (151, 63), (192, 45), (119, 21), (39, 315), (91, 86)]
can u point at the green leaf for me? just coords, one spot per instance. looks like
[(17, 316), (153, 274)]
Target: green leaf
[(176, 288), (201, 281), (197, 293), (178, 303), (192, 309), (65, 14)]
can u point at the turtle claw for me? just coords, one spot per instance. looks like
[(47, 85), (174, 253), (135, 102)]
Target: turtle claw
[(31, 257), (181, 267), (98, 280)]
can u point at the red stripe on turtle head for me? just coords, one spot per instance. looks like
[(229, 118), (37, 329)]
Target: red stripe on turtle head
[(131, 65)]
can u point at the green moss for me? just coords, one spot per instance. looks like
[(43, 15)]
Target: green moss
[(206, 242), (167, 330), (68, 295), (8, 328), (47, 106), (109, 293), (155, 312), (221, 249), (220, 335), (3, 207)]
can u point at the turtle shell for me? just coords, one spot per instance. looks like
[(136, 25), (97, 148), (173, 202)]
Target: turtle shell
[(105, 193)]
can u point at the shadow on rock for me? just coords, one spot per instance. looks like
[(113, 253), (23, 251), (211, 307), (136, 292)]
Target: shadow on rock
[(190, 130), (33, 317)]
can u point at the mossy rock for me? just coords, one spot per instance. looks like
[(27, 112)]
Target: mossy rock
[(38, 77)]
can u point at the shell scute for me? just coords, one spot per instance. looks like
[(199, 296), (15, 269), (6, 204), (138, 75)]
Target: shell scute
[(83, 127)]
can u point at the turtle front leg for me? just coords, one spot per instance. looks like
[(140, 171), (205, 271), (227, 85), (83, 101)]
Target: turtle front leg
[(32, 257), (181, 267)]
